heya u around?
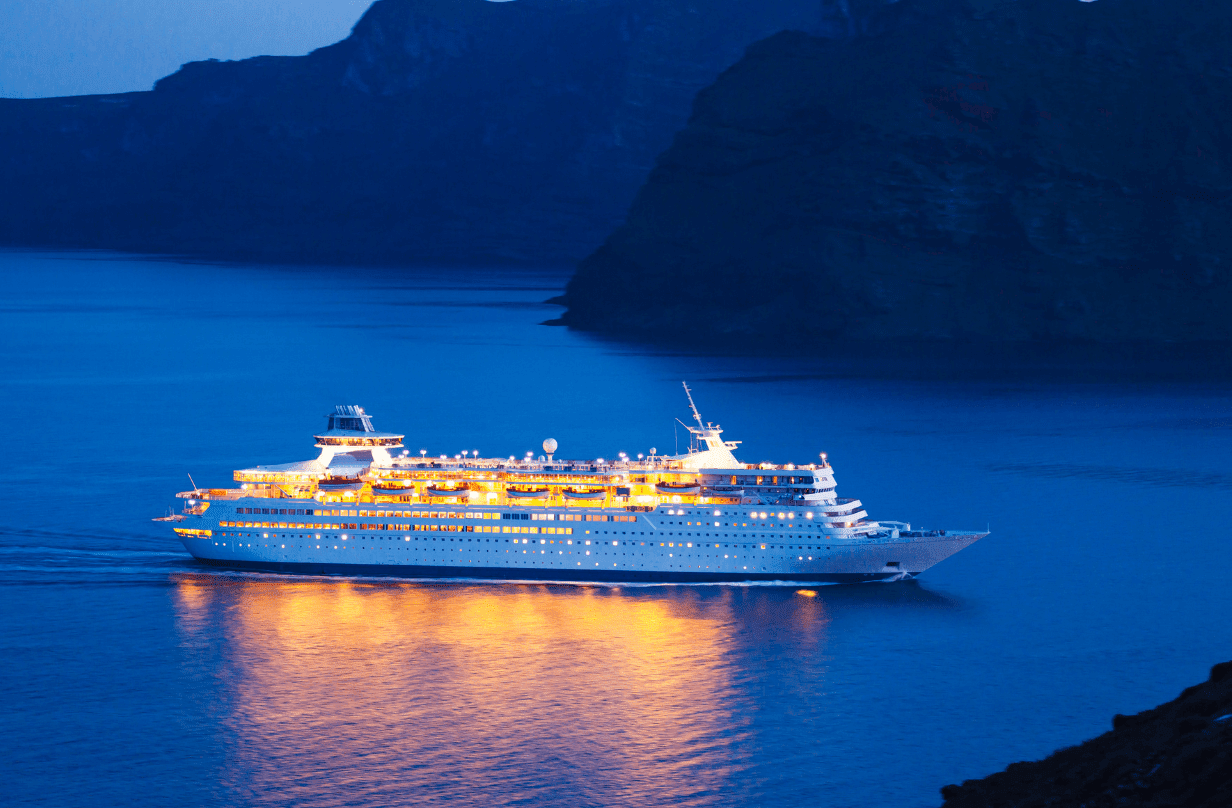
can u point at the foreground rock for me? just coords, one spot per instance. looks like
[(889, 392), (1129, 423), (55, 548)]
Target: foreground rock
[(1178, 754), (970, 171), (451, 130)]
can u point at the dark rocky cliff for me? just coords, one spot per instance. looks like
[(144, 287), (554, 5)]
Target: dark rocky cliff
[(976, 171), (451, 130), (1178, 754)]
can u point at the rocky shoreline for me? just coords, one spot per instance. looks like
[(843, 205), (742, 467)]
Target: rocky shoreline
[(1177, 754)]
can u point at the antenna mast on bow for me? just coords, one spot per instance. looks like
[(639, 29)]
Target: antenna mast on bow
[(693, 406)]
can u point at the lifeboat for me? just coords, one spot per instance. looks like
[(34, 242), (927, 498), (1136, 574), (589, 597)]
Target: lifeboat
[(336, 484), (681, 489), (569, 493), (516, 494), (433, 491), (391, 490)]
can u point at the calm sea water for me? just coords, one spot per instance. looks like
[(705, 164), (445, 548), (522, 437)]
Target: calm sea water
[(131, 676)]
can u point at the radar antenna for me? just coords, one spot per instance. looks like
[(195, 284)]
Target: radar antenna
[(693, 406)]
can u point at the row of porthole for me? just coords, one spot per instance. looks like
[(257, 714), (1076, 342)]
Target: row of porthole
[(344, 537), (541, 541), (614, 564), (343, 547)]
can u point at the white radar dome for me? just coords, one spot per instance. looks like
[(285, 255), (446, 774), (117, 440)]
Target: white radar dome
[(549, 445)]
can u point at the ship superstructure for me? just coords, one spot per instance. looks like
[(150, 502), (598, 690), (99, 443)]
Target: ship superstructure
[(367, 506)]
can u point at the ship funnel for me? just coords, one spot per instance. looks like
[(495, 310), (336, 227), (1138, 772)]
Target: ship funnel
[(350, 429)]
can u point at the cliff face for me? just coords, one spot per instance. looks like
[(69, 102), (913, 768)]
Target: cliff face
[(455, 130), (1179, 753), (962, 170)]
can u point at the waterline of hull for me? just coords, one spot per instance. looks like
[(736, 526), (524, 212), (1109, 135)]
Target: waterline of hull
[(504, 574)]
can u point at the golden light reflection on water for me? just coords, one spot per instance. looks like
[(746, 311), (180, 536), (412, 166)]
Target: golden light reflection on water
[(342, 692)]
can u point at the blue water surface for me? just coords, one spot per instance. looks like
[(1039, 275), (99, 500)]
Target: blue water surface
[(131, 676)]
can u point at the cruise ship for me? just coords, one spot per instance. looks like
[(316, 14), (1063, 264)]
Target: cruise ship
[(367, 506)]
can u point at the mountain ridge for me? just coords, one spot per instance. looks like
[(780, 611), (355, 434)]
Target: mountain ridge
[(459, 131)]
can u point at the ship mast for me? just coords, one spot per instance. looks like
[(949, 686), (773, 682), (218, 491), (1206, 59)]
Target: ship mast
[(693, 406), (706, 448)]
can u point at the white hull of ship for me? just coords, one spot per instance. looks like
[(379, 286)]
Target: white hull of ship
[(497, 558)]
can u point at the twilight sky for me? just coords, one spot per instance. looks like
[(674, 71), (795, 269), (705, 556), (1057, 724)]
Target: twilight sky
[(73, 47)]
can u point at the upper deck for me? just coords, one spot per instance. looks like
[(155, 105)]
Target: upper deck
[(596, 483), (355, 466)]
